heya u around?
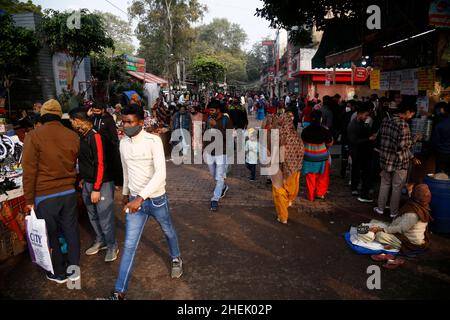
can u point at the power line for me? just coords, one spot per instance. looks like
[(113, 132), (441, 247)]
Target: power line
[(116, 7)]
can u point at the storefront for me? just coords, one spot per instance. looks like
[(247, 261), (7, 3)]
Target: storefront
[(326, 82)]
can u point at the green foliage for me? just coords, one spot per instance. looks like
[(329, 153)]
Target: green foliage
[(164, 28), (120, 31), (77, 43), (257, 60), (16, 6), (18, 48), (69, 101), (304, 15), (208, 69), (223, 40), (222, 35), (104, 68)]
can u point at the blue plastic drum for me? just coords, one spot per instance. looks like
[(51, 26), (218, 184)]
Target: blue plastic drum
[(440, 204)]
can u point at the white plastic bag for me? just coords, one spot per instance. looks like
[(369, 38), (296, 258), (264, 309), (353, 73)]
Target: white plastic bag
[(37, 239)]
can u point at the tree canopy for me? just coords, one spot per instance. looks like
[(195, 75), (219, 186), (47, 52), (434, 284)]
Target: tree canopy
[(18, 48), (91, 37), (16, 6), (208, 69), (222, 35), (299, 17), (164, 31), (120, 31)]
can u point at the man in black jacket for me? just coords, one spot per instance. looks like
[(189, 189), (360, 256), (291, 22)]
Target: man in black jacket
[(104, 124), (361, 148), (96, 155), (345, 151)]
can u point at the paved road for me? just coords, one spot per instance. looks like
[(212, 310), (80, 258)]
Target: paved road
[(242, 253)]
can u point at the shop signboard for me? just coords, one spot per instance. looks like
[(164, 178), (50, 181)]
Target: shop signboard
[(63, 73), (423, 104), (361, 73), (268, 43), (426, 78), (375, 78), (328, 78), (395, 80), (134, 63), (385, 78), (440, 13), (409, 83)]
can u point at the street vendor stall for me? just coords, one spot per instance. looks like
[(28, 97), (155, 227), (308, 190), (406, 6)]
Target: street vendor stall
[(12, 201)]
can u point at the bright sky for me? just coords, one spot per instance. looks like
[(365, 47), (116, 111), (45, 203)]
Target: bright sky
[(237, 11)]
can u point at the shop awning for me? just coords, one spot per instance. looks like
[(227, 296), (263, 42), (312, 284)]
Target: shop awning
[(339, 35), (149, 77), (320, 75), (349, 55)]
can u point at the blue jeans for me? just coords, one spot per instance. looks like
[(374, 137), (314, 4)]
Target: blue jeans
[(135, 223), (101, 214), (217, 168)]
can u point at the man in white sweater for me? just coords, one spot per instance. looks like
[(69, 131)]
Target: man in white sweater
[(144, 194)]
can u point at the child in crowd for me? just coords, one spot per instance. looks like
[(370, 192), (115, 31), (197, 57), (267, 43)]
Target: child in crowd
[(251, 153)]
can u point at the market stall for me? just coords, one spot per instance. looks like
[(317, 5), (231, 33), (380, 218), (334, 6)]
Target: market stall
[(12, 201)]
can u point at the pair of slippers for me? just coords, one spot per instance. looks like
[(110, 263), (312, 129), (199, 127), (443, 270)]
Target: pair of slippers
[(391, 261)]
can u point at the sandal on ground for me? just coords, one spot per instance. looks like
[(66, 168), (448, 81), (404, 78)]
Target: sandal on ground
[(394, 264), (282, 222), (382, 257)]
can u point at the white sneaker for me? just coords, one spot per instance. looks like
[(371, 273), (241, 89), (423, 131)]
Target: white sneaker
[(364, 200), (378, 210), (393, 216)]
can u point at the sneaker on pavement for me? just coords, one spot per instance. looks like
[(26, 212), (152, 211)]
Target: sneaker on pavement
[(57, 279), (96, 247), (378, 211), (111, 255), (224, 191), (116, 296), (73, 276), (365, 200), (177, 268), (214, 205)]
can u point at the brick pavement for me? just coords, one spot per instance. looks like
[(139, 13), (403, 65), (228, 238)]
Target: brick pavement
[(241, 252)]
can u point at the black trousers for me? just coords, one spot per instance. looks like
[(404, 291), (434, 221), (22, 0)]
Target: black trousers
[(252, 168), (61, 213), (361, 171), (345, 152), (443, 163)]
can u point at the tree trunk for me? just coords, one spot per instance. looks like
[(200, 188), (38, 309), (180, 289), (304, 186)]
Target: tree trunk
[(109, 78), (75, 67)]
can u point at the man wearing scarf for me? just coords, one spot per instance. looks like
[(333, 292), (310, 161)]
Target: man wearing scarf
[(409, 231)]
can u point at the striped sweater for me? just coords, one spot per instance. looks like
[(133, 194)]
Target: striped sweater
[(317, 140), (316, 152)]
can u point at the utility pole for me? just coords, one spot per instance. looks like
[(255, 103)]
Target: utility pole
[(184, 72), (168, 4)]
